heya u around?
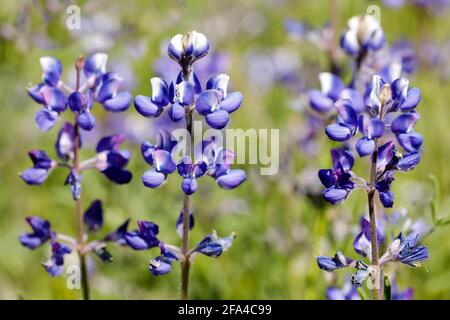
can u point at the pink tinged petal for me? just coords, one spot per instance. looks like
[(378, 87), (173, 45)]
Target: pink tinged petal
[(331, 85), (412, 100), (153, 179), (200, 44), (175, 48), (411, 142), (146, 107), (207, 100), (232, 179), (337, 132), (320, 102), (219, 82), (160, 91), (365, 146), (162, 161), (375, 128), (176, 112), (46, 119), (232, 102), (86, 120), (34, 176), (119, 103), (404, 123), (347, 113), (218, 119), (54, 98), (51, 69)]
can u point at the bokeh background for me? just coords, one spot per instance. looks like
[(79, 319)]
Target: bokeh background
[(280, 221)]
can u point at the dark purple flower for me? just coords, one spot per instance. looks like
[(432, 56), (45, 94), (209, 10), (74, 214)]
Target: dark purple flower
[(214, 246), (42, 166), (118, 235), (54, 266), (362, 242), (162, 264), (332, 263), (65, 142), (93, 217), (111, 161), (41, 233), (144, 238), (179, 224)]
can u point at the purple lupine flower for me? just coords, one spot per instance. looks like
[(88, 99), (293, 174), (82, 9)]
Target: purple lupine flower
[(55, 96), (73, 180), (347, 292), (162, 264), (215, 104), (337, 180), (405, 250), (144, 238), (187, 48), (93, 217), (190, 172), (65, 142), (54, 266), (41, 233), (42, 166), (364, 34), (362, 242), (111, 161), (332, 263), (213, 246)]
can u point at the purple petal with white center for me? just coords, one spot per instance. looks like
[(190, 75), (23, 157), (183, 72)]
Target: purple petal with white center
[(331, 85), (200, 45), (162, 161), (334, 195), (385, 155), (337, 132), (411, 142), (218, 119), (207, 100), (146, 107), (189, 186), (349, 42), (375, 128), (400, 89), (46, 119), (219, 82), (232, 102), (93, 217), (404, 123), (153, 179), (320, 102), (373, 96), (160, 266), (95, 64), (409, 161), (34, 176), (54, 98), (51, 69), (327, 177), (412, 100), (109, 87), (147, 152), (86, 120), (365, 146), (65, 141), (160, 91), (346, 113), (175, 48), (185, 93), (119, 103), (176, 112), (232, 179)]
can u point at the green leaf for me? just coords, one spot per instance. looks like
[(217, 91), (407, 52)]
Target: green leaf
[(362, 294), (387, 288)]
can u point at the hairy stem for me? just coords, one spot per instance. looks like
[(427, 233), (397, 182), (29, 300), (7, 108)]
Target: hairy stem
[(79, 209), (185, 262), (373, 220)]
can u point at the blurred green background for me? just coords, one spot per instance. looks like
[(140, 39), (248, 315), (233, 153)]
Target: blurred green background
[(279, 229)]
